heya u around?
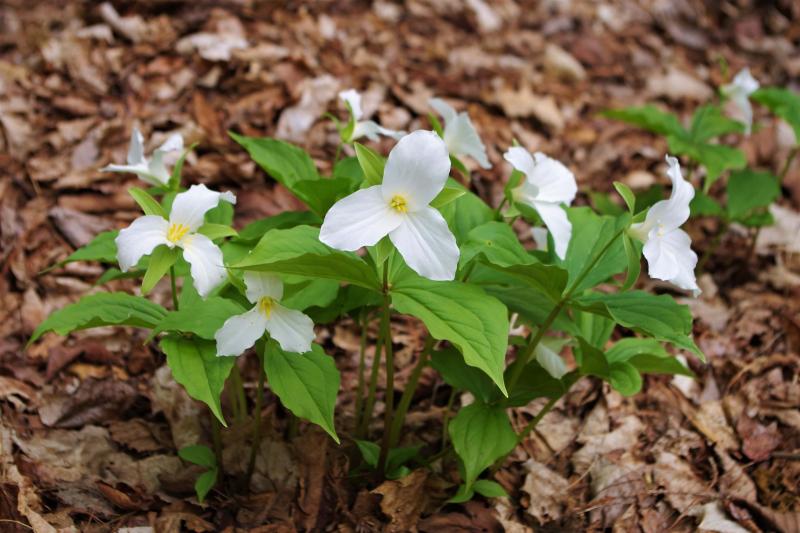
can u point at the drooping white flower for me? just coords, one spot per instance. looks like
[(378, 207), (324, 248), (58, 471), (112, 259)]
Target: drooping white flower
[(667, 248), (364, 128), (547, 185), (460, 135), (188, 210), (153, 171), (293, 330), (739, 91), (415, 173)]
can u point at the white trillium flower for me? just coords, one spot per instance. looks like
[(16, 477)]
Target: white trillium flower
[(739, 91), (547, 185), (416, 171), (667, 248), (188, 209), (460, 135), (365, 128), (293, 330), (153, 171)]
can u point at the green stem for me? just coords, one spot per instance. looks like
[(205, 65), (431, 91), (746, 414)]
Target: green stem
[(369, 406), (389, 391), (216, 437), (338, 154), (363, 322), (538, 418), (523, 359), (251, 464), (788, 163), (497, 212), (408, 392), (174, 287), (446, 419), (239, 401)]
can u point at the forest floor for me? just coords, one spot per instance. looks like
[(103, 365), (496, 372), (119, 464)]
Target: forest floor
[(90, 423)]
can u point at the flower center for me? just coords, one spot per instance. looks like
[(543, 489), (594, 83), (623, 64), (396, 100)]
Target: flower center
[(265, 305), (399, 203), (176, 232)]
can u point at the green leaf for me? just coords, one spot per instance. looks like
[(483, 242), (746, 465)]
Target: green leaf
[(460, 166), (497, 243), (481, 434), (216, 231), (704, 205), (205, 482), (198, 455), (459, 375), (749, 190), (307, 384), (627, 195), (310, 293), (465, 213), (102, 309), (450, 193), (625, 379), (717, 158), (149, 205), (162, 258), (633, 252), (372, 164), (536, 382), (656, 315), (709, 122), (653, 364), (436, 125), (102, 249), (646, 355), (288, 219), (548, 280), (590, 234), (195, 365), (464, 315), (649, 118), (489, 489), (349, 168), (783, 103), (203, 318), (298, 251), (622, 376), (320, 195)]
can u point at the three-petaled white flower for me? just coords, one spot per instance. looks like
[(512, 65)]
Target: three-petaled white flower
[(667, 248), (460, 135), (416, 171), (153, 171), (547, 185), (188, 210), (739, 91), (364, 128), (293, 330)]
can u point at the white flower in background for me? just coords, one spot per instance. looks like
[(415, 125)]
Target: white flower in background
[(540, 238), (153, 171), (188, 210), (364, 128), (667, 248), (293, 330), (460, 135), (547, 185), (739, 91), (415, 173)]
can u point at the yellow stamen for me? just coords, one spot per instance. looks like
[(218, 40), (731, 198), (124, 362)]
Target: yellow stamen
[(265, 305), (176, 232), (399, 203)]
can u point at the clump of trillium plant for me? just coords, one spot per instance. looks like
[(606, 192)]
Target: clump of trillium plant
[(397, 235)]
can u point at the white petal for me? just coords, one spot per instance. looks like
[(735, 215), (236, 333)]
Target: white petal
[(670, 214), (174, 143), (462, 138), (676, 261), (139, 239), (205, 258), (745, 82), (361, 219), (555, 218), (556, 183), (142, 171), (520, 159), (240, 332), (293, 330), (136, 149), (394, 134), (444, 109), (417, 169), (260, 284), (743, 103), (352, 97), (540, 238), (427, 244), (190, 207)]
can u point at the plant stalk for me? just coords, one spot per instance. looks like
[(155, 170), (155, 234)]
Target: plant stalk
[(538, 418), (256, 444), (239, 400), (373, 385), (174, 287), (498, 212), (408, 392), (386, 334), (364, 322), (446, 418), (216, 437)]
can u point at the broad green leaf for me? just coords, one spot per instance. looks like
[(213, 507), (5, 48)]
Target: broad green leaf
[(298, 251), (349, 168), (216, 231), (320, 195), (656, 315), (161, 259), (590, 235), (149, 205), (782, 102), (459, 375), (102, 249), (114, 274), (481, 434), (460, 166), (704, 205), (595, 329), (203, 318), (489, 489), (653, 364), (288, 219), (466, 212), (548, 280), (221, 214), (625, 378), (717, 158), (205, 482), (196, 366), (464, 315), (547, 354), (436, 125), (313, 293), (749, 190), (102, 309), (627, 195), (622, 376), (709, 122), (449, 194), (648, 117), (646, 355), (285, 162), (497, 243), (395, 460), (633, 252), (372, 164), (198, 455), (513, 182), (307, 384), (536, 382)]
